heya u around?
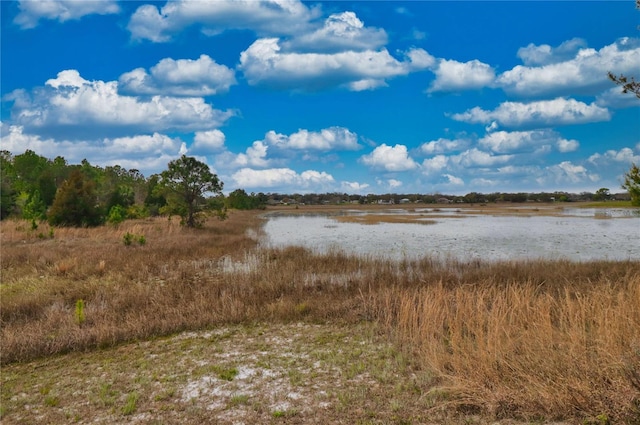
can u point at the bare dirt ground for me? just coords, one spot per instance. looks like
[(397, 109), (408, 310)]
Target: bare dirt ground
[(260, 374)]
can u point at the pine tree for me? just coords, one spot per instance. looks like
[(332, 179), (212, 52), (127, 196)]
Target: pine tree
[(75, 203)]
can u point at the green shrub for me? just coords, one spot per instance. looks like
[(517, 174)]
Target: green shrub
[(128, 238), (117, 214)]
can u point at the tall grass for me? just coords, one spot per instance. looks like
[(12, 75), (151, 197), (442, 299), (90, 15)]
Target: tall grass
[(525, 349), (547, 339)]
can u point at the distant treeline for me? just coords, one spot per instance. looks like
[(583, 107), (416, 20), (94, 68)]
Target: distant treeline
[(410, 198), (29, 184)]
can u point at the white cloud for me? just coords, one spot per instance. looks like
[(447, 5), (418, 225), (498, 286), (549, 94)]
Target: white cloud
[(255, 156), (585, 72), (394, 184), (476, 158), (549, 113), (92, 109), (453, 180), (435, 164), (264, 63), (614, 98), (332, 138), (565, 145), (353, 187), (62, 10), (182, 77), (265, 17), (452, 75), (526, 141), (341, 31), (624, 156), (389, 158), (443, 146), (566, 173), (281, 177), (208, 141), (544, 54)]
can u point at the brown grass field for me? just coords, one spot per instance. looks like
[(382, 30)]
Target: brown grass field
[(182, 317)]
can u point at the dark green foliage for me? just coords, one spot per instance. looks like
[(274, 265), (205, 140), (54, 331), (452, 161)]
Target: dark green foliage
[(75, 203), (602, 194), (7, 184), (239, 200), (154, 199), (184, 185), (632, 184)]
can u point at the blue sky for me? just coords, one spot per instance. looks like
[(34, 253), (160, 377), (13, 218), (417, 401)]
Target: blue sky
[(356, 97)]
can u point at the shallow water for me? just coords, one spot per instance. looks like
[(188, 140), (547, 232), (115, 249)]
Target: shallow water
[(578, 235)]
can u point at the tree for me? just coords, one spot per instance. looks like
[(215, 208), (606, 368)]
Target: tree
[(629, 85), (75, 203), (632, 184), (239, 200), (602, 194), (184, 184)]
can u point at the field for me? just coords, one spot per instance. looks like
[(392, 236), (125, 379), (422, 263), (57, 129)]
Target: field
[(149, 322)]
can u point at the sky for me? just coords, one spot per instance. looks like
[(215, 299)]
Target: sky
[(357, 97)]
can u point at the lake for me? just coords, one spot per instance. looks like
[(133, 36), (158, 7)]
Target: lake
[(579, 234)]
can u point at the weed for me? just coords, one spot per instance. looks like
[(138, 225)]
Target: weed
[(288, 413), (52, 400), (107, 395), (238, 399), (80, 317), (127, 239), (130, 405), (224, 373)]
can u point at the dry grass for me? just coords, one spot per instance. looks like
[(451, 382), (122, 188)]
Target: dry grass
[(527, 348), (528, 340)]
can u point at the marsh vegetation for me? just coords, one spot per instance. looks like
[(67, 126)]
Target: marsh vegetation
[(358, 339)]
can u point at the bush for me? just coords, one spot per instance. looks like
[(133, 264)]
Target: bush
[(75, 203), (117, 214)]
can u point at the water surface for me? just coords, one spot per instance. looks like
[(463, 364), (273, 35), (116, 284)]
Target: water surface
[(576, 234)]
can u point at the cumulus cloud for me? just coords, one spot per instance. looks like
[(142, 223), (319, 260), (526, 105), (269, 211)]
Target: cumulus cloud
[(615, 98), (526, 141), (328, 139), (255, 156), (265, 17), (544, 54), (394, 184), (182, 77), (564, 145), (544, 113), (452, 75), (623, 156), (281, 177), (389, 158), (61, 10), (566, 173), (453, 180), (545, 72), (341, 31), (208, 141), (476, 158), (90, 109), (435, 165), (443, 146), (264, 63), (353, 187)]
